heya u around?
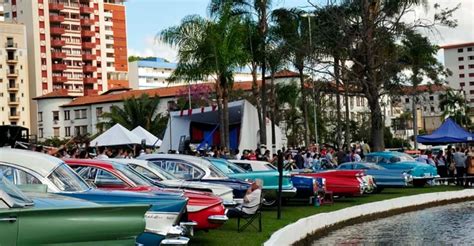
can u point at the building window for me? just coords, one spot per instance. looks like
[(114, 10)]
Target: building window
[(55, 115), (432, 109), (461, 58), (461, 75), (67, 131), (56, 132), (67, 115), (471, 75), (461, 67), (40, 116), (98, 112), (462, 84), (471, 92), (40, 132), (80, 130), (80, 114), (471, 65), (471, 58), (431, 98), (460, 50), (407, 100)]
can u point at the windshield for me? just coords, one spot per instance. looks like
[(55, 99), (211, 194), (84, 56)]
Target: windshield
[(133, 175), (216, 172), (66, 179), (405, 157), (165, 174), (13, 192), (374, 166)]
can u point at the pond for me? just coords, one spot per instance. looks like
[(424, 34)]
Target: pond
[(451, 224)]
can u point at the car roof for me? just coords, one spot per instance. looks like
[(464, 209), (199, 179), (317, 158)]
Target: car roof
[(193, 159), (41, 163), (385, 153), (104, 163), (250, 162)]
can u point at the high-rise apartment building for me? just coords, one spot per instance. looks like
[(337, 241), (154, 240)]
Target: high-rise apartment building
[(459, 58), (14, 93), (73, 45)]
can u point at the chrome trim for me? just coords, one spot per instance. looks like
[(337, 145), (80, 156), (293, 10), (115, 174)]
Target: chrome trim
[(217, 219), (229, 203), (10, 219), (175, 241), (188, 227)]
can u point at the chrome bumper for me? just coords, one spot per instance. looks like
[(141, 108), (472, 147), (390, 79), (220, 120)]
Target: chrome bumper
[(187, 228), (230, 203), (288, 193), (217, 219), (175, 241)]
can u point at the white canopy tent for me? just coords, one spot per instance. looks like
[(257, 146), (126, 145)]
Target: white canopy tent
[(240, 112), (149, 138), (116, 135)]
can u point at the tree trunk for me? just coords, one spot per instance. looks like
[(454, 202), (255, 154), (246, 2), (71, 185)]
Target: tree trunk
[(263, 126), (377, 124), (338, 103), (263, 33), (273, 111), (225, 100), (256, 95), (415, 119), (347, 133), (220, 112), (305, 107)]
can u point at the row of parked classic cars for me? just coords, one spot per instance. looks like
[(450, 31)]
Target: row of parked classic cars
[(161, 199)]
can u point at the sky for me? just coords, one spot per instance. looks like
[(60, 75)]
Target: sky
[(146, 18)]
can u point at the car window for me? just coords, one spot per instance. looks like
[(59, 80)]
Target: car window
[(66, 179), (245, 166), (8, 173), (99, 176), (271, 166), (371, 158), (183, 170), (145, 172), (394, 159)]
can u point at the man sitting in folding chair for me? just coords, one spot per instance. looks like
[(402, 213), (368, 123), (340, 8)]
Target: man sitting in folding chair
[(250, 209)]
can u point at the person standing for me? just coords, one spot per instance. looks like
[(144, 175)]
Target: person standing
[(460, 162), (299, 160), (341, 156), (440, 162)]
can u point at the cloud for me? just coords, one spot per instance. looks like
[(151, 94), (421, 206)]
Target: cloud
[(153, 47)]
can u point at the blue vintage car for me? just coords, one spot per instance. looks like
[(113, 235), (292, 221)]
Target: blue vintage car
[(421, 172), (269, 178), (384, 177), (163, 219)]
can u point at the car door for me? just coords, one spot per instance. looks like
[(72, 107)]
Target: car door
[(8, 224)]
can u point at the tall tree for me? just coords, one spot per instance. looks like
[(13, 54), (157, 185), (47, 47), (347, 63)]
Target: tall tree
[(293, 30), (140, 111), (454, 105), (259, 10), (210, 48)]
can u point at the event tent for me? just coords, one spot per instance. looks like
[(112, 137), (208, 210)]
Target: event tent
[(114, 136), (150, 139), (448, 132), (200, 127)]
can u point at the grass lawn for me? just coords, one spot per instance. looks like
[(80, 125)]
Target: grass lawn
[(227, 234)]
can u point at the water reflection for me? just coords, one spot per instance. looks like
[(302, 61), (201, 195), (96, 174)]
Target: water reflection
[(445, 225)]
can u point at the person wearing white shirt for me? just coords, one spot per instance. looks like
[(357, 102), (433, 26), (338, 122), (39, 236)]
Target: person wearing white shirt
[(251, 201)]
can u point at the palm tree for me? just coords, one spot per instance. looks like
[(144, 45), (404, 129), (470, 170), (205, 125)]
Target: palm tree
[(454, 105), (210, 48), (139, 111), (248, 9), (293, 31)]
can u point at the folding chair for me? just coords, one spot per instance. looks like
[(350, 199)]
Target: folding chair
[(250, 218)]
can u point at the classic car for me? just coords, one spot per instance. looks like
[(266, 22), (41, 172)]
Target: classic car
[(168, 180), (383, 177), (46, 218), (269, 178), (203, 208), (165, 220), (422, 173), (194, 168), (338, 182), (306, 187)]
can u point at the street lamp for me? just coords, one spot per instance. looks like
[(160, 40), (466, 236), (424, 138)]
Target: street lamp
[(309, 16)]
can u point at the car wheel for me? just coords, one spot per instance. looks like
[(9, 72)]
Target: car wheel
[(419, 183), (269, 202)]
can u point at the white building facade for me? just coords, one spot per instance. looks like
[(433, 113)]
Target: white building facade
[(459, 58)]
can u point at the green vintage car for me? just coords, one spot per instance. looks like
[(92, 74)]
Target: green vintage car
[(45, 218)]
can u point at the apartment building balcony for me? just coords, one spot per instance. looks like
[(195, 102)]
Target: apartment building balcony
[(14, 116), (90, 92), (59, 67), (12, 60), (87, 33), (11, 46), (56, 18), (59, 79), (13, 101), (57, 30), (88, 57), (89, 80), (58, 55), (56, 6), (87, 22), (57, 42), (13, 87), (12, 73), (88, 45), (86, 10), (89, 69)]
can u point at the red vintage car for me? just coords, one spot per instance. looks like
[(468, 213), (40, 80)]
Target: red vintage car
[(203, 208), (340, 183)]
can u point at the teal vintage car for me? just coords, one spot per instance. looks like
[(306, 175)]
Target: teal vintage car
[(42, 218), (270, 179), (422, 173)]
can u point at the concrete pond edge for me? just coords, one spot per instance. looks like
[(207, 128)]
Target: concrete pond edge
[(306, 230)]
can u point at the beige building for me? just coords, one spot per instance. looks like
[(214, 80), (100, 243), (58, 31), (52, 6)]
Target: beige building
[(74, 45), (14, 83)]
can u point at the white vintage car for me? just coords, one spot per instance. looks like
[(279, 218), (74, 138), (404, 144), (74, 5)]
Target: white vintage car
[(155, 173)]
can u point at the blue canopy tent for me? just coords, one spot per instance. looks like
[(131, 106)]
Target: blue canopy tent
[(448, 132)]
